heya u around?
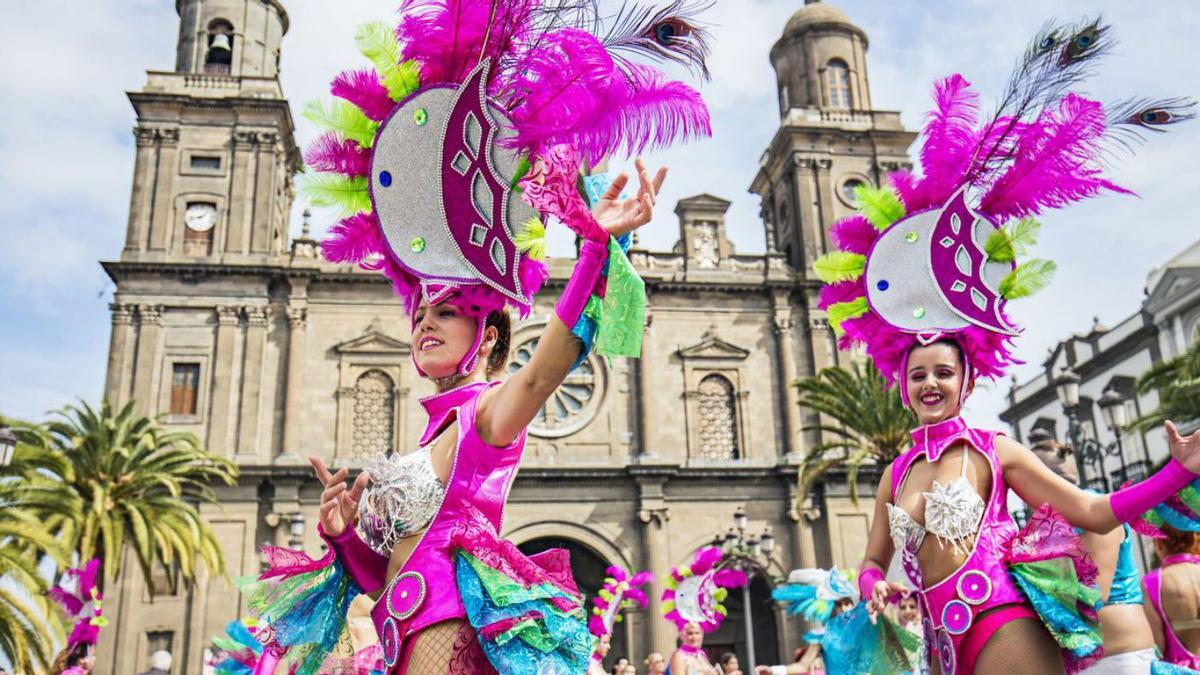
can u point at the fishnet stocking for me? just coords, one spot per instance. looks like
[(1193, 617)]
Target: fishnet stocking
[(1021, 646), (447, 648)]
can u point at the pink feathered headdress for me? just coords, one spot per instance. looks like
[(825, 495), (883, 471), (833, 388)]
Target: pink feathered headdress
[(694, 593), (82, 603), (934, 256), (620, 592)]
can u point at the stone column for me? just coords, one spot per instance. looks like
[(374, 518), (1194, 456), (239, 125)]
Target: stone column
[(252, 375), (802, 515), (264, 194), (149, 348), (141, 195), (222, 381), (161, 222), (116, 382), (293, 415), (654, 515), (805, 197), (825, 205), (241, 181), (644, 387), (792, 447)]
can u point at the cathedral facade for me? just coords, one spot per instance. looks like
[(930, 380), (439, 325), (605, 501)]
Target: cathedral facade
[(228, 329)]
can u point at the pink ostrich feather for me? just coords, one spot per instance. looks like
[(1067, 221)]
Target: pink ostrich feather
[(449, 37), (843, 291), (854, 234), (1056, 162), (617, 573), (705, 559), (571, 91), (354, 240), (731, 579), (364, 90), (330, 154), (950, 136), (641, 579)]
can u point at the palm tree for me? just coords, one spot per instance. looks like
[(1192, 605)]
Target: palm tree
[(861, 418), (36, 510), (1178, 384), (141, 484)]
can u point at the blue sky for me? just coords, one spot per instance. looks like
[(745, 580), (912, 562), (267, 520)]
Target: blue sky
[(66, 152)]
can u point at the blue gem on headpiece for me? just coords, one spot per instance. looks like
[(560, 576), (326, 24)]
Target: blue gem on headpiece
[(385, 178), (882, 285)]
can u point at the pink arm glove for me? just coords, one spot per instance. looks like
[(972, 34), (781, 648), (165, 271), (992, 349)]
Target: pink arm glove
[(1131, 502), (867, 578), (367, 568), (592, 256)]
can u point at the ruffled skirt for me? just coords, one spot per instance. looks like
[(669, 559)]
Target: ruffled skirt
[(526, 609), (1049, 564)]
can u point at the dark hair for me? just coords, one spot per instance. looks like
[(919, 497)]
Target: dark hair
[(1178, 541), (726, 658), (501, 321)]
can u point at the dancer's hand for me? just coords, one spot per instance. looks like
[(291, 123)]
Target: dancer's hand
[(880, 593), (1185, 449), (338, 505), (621, 216)]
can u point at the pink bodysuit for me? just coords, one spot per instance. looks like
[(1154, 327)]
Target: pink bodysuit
[(1177, 653)]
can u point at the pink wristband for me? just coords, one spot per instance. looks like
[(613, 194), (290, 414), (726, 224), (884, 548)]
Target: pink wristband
[(1131, 502), (867, 578), (367, 568), (592, 256)]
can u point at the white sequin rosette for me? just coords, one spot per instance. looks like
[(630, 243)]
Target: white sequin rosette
[(401, 500)]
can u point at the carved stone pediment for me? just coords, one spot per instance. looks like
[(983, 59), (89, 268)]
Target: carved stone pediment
[(713, 347), (373, 342)]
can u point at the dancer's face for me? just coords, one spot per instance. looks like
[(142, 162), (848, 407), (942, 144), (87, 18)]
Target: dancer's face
[(603, 646), (934, 380), (908, 611), (656, 664), (442, 336), (691, 635)]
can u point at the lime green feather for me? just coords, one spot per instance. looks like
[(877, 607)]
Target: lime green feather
[(348, 195), (531, 239), (838, 266), (378, 43), (344, 118), (1012, 240), (840, 311), (1030, 277), (879, 205)]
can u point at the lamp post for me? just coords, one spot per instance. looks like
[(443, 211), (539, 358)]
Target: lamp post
[(1089, 451), (8, 443), (754, 556)]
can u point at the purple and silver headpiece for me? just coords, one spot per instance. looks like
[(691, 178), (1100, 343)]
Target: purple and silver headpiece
[(934, 256), (472, 128)]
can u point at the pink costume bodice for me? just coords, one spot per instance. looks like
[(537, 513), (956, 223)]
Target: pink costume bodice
[(424, 591), (951, 606), (1176, 652)]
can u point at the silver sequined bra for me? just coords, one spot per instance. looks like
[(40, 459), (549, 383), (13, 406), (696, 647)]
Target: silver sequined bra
[(402, 499), (953, 513)]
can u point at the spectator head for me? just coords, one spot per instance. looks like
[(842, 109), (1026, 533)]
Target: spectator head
[(161, 660)]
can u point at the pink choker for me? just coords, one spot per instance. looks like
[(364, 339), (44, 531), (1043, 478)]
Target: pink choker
[(694, 651), (1178, 558)]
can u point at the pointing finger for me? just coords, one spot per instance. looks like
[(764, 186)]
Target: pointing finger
[(615, 187), (319, 467), (659, 178)]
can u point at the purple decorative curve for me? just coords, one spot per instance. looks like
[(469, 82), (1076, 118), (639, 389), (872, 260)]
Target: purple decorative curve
[(957, 261), (484, 239)]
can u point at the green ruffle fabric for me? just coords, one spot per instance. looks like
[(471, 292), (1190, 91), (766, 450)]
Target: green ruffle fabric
[(622, 316), (1055, 591)]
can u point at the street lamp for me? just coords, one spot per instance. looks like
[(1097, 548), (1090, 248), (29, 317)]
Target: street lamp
[(752, 555), (1089, 451), (8, 443)]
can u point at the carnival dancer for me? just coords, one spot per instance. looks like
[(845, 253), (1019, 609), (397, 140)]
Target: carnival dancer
[(620, 592), (692, 599), (1128, 642), (448, 159), (82, 602), (921, 282), (1172, 601)]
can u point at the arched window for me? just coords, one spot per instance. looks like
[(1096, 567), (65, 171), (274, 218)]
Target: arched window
[(837, 76), (374, 414), (718, 419), (219, 56)]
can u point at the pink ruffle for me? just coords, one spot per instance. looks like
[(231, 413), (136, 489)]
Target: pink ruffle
[(1047, 535)]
